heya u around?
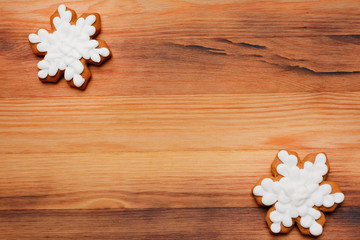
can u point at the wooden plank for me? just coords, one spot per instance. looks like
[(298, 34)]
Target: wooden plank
[(180, 179), (171, 123), (167, 151), (202, 47), (208, 223)]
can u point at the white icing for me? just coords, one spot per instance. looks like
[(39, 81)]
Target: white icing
[(297, 192), (67, 45)]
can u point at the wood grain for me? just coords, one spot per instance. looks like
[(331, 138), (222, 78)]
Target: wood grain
[(197, 47), (204, 151), (206, 223), (172, 132)]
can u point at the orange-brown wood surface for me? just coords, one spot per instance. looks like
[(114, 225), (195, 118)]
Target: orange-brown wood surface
[(172, 133)]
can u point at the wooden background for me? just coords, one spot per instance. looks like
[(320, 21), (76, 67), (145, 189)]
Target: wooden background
[(171, 133)]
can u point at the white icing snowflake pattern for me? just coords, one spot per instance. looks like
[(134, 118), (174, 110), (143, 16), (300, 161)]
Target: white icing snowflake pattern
[(297, 192), (67, 45)]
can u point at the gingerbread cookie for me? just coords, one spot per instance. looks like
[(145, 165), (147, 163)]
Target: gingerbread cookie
[(297, 192), (69, 46)]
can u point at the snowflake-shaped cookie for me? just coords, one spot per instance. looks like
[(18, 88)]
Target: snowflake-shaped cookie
[(69, 46), (298, 192)]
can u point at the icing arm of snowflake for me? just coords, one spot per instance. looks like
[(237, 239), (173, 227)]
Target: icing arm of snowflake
[(278, 221), (39, 42), (285, 163), (265, 191), (328, 196), (62, 15), (311, 221)]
